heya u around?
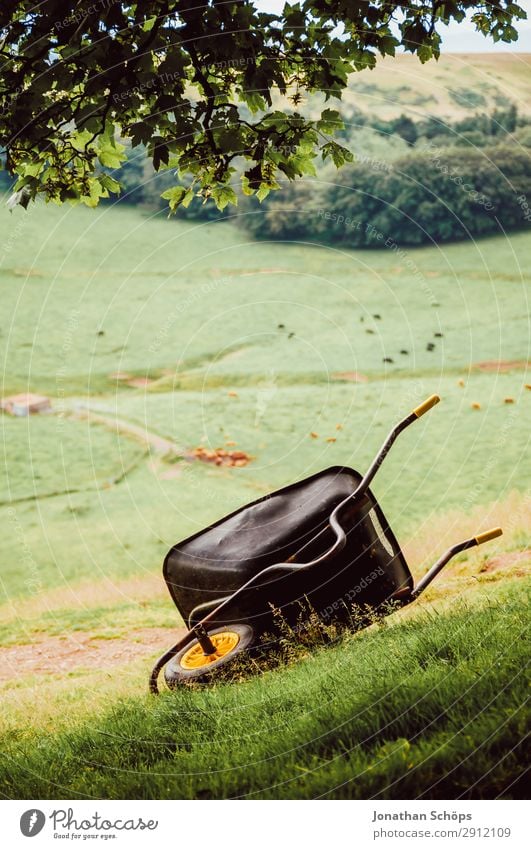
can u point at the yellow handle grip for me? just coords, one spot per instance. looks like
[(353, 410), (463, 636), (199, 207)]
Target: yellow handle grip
[(426, 405), (492, 534)]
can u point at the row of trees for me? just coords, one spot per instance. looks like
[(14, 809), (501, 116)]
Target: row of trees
[(480, 129), (444, 188), (431, 196)]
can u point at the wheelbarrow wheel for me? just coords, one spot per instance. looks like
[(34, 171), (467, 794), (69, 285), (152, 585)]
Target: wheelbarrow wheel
[(191, 663)]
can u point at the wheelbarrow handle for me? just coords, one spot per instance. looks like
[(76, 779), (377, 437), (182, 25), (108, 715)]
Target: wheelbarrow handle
[(426, 405), (447, 556), (369, 475), (389, 442), (334, 520)]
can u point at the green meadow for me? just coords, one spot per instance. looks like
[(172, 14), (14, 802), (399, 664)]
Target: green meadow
[(303, 357)]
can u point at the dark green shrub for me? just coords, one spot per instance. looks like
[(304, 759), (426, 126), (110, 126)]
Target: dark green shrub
[(435, 195)]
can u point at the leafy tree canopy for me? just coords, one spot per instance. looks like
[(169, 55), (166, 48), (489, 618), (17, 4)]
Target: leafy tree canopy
[(197, 83)]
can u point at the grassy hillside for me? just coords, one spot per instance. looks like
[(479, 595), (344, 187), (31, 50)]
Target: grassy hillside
[(154, 337), (119, 290), (430, 707), (454, 87)]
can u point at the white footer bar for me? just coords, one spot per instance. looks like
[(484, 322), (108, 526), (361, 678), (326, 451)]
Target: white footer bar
[(257, 824)]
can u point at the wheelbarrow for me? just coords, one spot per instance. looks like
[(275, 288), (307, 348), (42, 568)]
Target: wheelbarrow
[(323, 542)]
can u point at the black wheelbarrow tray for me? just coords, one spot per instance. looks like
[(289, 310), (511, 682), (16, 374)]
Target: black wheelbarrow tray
[(322, 542)]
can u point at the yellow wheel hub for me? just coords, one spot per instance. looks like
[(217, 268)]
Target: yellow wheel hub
[(224, 641)]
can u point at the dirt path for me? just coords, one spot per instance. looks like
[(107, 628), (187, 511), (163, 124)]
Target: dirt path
[(158, 444), (64, 655)]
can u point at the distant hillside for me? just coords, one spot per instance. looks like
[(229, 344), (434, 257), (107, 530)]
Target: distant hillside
[(458, 85)]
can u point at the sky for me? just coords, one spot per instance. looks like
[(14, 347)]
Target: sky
[(461, 38)]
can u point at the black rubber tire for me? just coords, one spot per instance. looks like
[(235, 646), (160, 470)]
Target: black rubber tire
[(176, 674)]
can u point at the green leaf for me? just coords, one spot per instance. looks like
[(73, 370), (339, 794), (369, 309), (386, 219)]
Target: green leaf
[(188, 198), (330, 121), (337, 152), (110, 183), (246, 188), (223, 195), (111, 155), (148, 25), (33, 169), (80, 140), (425, 52), (96, 191), (140, 133), (174, 196), (161, 155), (254, 101), (387, 45)]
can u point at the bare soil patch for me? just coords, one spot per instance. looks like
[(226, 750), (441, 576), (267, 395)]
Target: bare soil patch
[(353, 376), (140, 382), (506, 560), (63, 655), (500, 365)]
